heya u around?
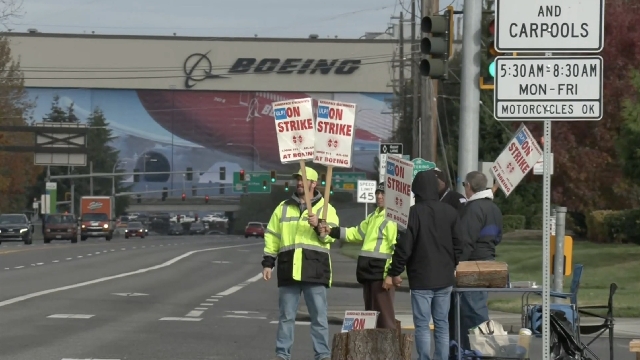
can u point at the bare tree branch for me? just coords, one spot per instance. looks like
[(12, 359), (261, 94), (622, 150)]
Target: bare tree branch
[(10, 9)]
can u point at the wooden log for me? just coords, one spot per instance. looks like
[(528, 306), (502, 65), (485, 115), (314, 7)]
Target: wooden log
[(406, 346), (369, 344), (634, 347), (482, 274)]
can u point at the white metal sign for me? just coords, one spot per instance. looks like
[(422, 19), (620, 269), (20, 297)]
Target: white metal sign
[(359, 320), (397, 194), (549, 26), (335, 128), (387, 148), (516, 160), (548, 88), (538, 168), (367, 191)]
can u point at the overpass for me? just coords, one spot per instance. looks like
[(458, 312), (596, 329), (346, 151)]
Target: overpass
[(197, 203)]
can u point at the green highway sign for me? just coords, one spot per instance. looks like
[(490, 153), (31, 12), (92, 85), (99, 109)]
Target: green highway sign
[(347, 180), (420, 164), (254, 181)]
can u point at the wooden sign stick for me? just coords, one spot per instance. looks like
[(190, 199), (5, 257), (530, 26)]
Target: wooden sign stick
[(327, 192), (305, 183)]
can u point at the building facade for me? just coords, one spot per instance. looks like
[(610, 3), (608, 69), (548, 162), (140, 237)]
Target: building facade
[(204, 103)]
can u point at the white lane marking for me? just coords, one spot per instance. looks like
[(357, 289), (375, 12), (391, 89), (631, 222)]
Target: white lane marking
[(70, 316), (134, 247), (129, 294), (112, 250), (98, 253), (245, 317), (18, 267), (194, 313), (40, 264), (69, 259), (95, 281), (206, 304), (297, 322), (199, 308), (89, 254), (212, 300), (55, 261), (180, 319), (7, 268), (243, 312), (79, 256), (123, 249), (215, 296), (220, 262), (87, 359), (233, 289)]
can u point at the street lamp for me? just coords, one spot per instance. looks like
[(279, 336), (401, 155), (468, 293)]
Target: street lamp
[(254, 149)]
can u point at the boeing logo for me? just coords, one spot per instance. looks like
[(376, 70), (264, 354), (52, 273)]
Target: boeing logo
[(198, 67)]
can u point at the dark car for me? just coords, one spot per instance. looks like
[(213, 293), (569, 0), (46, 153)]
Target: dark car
[(134, 228), (60, 227), (254, 229), (16, 227), (197, 229), (176, 229)]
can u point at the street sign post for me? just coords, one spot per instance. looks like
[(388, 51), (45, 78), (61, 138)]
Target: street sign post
[(347, 180), (367, 194), (420, 164), (386, 149), (549, 26), (537, 88), (254, 182)]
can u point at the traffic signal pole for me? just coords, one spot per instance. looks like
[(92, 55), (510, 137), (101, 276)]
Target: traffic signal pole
[(468, 141)]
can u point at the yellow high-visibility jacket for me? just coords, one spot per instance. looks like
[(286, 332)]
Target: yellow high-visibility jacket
[(302, 255)]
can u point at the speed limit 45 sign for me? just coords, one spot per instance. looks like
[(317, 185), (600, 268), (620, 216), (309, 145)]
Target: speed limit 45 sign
[(367, 191)]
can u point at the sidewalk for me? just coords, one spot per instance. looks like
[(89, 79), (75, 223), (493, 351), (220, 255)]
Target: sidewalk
[(346, 286)]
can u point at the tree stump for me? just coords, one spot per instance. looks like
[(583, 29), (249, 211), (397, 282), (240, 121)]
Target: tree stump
[(371, 344), (482, 274)]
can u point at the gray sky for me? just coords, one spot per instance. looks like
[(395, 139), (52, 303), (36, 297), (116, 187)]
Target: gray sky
[(267, 18)]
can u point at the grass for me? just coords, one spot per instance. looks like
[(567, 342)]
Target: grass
[(603, 264)]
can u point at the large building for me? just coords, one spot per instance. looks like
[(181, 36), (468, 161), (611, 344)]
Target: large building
[(204, 103)]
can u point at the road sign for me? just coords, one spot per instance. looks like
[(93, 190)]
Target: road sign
[(347, 180), (61, 144), (385, 149), (253, 181), (549, 26), (559, 88), (420, 164), (367, 191)]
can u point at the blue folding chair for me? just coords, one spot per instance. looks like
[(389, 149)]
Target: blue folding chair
[(533, 318)]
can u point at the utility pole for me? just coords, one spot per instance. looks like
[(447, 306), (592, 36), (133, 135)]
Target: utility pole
[(402, 92), (415, 80), (468, 140), (429, 129)]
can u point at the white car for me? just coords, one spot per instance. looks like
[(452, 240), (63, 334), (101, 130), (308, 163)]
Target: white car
[(183, 219)]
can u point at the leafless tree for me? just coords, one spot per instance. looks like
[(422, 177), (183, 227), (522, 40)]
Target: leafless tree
[(10, 9)]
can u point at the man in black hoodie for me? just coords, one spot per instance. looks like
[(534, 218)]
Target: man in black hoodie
[(429, 248), (447, 196)]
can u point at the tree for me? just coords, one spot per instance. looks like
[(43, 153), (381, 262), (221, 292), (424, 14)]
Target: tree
[(629, 138), (17, 171)]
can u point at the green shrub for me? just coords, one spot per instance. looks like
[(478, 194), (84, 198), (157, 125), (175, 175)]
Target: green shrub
[(513, 222), (535, 222), (597, 228), (624, 226)]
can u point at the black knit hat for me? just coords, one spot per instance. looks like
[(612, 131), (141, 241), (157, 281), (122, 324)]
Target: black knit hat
[(380, 187)]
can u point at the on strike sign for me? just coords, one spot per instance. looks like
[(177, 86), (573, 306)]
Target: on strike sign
[(334, 133), (359, 320), (397, 195), (516, 160), (294, 126)]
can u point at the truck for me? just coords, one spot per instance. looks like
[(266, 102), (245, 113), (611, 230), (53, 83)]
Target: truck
[(97, 217)]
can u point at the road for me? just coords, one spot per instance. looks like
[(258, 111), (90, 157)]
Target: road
[(173, 298)]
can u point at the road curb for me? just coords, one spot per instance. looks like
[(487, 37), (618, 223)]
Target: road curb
[(355, 285)]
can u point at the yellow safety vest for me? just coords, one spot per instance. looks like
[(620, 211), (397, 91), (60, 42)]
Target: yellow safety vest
[(302, 255), (378, 236)]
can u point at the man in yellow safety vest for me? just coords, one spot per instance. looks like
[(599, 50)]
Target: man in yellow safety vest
[(378, 238), (301, 246)]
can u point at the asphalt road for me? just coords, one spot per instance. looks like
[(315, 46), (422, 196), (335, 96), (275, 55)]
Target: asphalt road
[(158, 298)]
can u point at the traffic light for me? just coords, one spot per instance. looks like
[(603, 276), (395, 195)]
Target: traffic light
[(67, 196), (223, 173), (439, 46), (241, 175), (264, 184), (331, 190), (165, 193), (189, 173), (273, 176), (136, 177), (206, 199), (139, 198), (323, 179), (286, 186), (488, 68), (184, 196)]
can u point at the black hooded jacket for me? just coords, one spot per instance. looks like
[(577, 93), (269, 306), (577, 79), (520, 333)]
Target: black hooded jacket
[(431, 246)]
